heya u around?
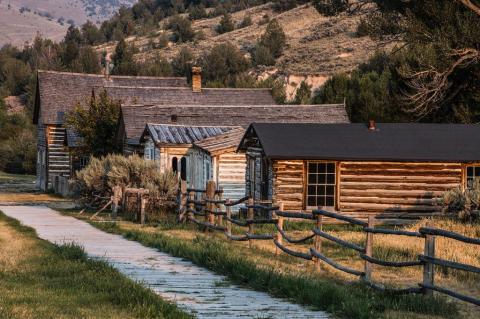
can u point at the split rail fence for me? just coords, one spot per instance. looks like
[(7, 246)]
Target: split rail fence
[(218, 215)]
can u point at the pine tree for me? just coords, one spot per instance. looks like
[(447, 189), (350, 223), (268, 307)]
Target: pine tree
[(274, 38)]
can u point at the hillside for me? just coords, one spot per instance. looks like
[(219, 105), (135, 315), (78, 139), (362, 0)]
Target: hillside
[(20, 20), (317, 46)]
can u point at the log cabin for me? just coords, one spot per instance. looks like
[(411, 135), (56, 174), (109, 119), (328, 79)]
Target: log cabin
[(59, 92), (198, 154), (393, 171)]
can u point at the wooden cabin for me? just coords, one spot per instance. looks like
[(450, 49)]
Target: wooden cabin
[(390, 170), (59, 92), (198, 154)]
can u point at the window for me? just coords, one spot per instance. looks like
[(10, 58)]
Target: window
[(321, 182), (473, 176), (183, 168), (175, 165), (207, 171)]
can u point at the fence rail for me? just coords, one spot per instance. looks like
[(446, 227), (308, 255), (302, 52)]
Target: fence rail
[(217, 214)]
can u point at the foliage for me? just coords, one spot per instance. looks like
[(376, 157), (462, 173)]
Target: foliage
[(182, 63), (262, 56), (163, 40), (370, 92), (330, 7), (246, 22), (197, 12), (274, 38), (122, 59), (303, 94), (156, 66), (101, 174), (96, 123), (181, 28), (226, 24), (223, 63), (464, 204), (284, 5)]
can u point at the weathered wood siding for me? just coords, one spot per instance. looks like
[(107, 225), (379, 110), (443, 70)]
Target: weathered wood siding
[(231, 174), (288, 184), (394, 189)]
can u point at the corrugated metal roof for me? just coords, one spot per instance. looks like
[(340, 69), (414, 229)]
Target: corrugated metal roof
[(164, 134)]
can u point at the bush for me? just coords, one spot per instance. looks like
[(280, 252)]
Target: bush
[(197, 12), (181, 28), (330, 7), (246, 22), (464, 204), (284, 5), (101, 174), (262, 56), (163, 40), (226, 24)]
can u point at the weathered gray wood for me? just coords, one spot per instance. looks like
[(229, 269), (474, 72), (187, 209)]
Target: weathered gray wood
[(334, 264), (429, 268), (369, 251), (193, 288), (449, 234)]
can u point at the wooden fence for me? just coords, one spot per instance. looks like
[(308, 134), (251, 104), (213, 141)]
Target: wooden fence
[(216, 212)]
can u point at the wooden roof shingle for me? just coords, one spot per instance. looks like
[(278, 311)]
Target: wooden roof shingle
[(164, 134), (222, 143), (134, 118), (58, 92)]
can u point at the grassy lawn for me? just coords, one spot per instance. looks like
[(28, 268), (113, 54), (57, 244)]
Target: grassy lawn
[(42, 280), (16, 178), (289, 277)]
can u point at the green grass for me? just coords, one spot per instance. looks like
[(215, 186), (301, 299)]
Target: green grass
[(6, 177), (347, 301), (51, 281)]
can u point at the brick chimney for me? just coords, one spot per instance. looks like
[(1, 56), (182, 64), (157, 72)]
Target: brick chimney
[(197, 79), (371, 125)]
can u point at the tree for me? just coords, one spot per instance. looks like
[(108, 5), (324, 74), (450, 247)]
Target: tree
[(88, 61), (284, 5), (91, 34), (123, 62), (71, 45), (223, 63), (182, 63), (274, 38), (158, 66), (96, 123), (303, 94), (181, 28), (197, 12), (226, 24)]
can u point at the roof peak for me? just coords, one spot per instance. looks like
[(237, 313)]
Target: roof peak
[(112, 76)]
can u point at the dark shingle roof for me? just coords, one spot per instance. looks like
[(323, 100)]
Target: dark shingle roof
[(134, 118), (58, 92), (163, 134), (389, 142), (185, 96)]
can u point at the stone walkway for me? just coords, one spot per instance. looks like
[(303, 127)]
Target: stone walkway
[(193, 288)]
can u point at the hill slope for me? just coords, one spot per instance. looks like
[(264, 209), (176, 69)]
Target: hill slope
[(317, 46), (20, 20)]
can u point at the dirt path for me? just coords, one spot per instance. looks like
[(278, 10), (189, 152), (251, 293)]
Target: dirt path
[(193, 288)]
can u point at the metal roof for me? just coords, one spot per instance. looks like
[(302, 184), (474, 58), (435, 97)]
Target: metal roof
[(164, 134)]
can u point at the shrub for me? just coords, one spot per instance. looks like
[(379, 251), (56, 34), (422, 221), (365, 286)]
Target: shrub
[(330, 7), (101, 174), (303, 94), (246, 22), (262, 56), (163, 40), (464, 204), (284, 5), (274, 38), (197, 12), (226, 24), (181, 28)]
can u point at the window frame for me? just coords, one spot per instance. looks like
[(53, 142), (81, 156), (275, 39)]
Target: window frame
[(475, 166), (335, 184)]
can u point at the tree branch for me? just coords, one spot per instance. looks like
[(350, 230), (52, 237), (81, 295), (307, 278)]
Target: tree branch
[(469, 4)]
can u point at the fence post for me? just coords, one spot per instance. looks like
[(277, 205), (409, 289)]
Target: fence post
[(191, 205), (228, 209), (209, 217), (250, 215), (124, 200), (318, 239), (369, 249), (428, 267), (219, 207), (183, 197), (115, 200), (143, 204), (280, 227)]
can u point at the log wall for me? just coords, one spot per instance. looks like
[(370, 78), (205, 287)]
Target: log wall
[(288, 184), (231, 175), (394, 189)]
